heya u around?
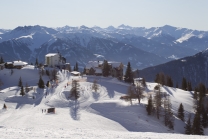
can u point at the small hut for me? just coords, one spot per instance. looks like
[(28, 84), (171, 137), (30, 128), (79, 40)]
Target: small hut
[(51, 110)]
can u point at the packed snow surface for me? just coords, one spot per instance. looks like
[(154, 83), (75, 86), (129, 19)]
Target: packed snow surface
[(98, 114)]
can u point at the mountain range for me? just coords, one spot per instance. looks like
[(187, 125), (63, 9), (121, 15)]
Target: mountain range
[(143, 47), (193, 68)]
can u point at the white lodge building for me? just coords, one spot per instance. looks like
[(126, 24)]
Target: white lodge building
[(52, 59)]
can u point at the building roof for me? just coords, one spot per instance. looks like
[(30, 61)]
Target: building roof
[(92, 64), (51, 54), (19, 63), (138, 79), (75, 72)]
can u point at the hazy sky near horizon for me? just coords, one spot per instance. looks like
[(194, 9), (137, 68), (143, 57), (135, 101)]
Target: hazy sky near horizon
[(137, 13)]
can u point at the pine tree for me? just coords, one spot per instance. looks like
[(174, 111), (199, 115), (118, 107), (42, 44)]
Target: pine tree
[(95, 86), (20, 82), (1, 60), (168, 117), (36, 62), (195, 93), (189, 86), (184, 84), (157, 78), (75, 90), (128, 75), (77, 68), (106, 68), (149, 106), (197, 127), (188, 127), (4, 107), (158, 101), (181, 112), (41, 83), (169, 81), (22, 92), (204, 120), (202, 91), (48, 84)]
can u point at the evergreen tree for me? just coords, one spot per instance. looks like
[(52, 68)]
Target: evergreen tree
[(95, 86), (149, 106), (106, 68), (4, 107), (197, 127), (202, 91), (157, 78), (184, 84), (188, 127), (76, 67), (189, 86), (48, 83), (41, 83), (158, 101), (1, 60), (160, 78), (20, 82), (195, 93), (75, 90), (168, 117), (22, 92), (181, 112), (169, 81), (204, 120), (36, 62), (128, 75)]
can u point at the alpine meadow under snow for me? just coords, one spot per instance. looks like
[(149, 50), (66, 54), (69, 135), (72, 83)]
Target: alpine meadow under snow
[(96, 114)]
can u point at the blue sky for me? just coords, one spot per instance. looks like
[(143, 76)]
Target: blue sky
[(137, 13)]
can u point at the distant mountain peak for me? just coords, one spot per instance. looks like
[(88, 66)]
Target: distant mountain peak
[(122, 26)]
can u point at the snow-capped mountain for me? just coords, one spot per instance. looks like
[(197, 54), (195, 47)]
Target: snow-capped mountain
[(141, 46)]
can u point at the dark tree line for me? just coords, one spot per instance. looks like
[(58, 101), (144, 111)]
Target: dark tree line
[(163, 79)]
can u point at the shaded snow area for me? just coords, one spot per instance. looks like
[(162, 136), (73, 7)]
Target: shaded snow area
[(98, 114)]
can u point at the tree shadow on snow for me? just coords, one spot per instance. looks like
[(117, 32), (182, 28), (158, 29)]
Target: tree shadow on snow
[(96, 95), (74, 110), (168, 90)]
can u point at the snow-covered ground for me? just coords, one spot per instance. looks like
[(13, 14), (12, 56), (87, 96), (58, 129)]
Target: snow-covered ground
[(98, 114)]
